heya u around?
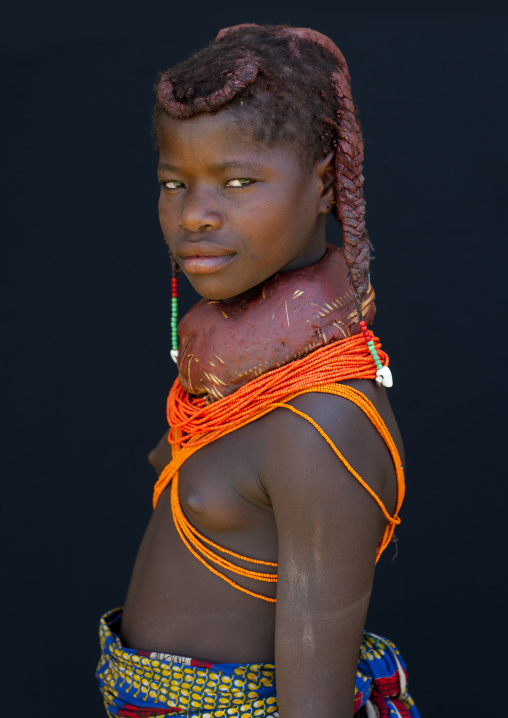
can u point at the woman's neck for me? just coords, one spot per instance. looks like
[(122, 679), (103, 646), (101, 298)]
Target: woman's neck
[(223, 345)]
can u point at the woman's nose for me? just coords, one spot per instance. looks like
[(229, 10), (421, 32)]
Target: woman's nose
[(200, 213)]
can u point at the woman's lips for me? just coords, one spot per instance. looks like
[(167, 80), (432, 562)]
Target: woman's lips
[(204, 264)]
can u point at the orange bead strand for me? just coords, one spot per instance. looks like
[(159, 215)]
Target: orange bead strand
[(194, 424)]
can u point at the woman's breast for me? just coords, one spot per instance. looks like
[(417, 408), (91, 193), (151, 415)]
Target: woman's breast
[(174, 603), (221, 493)]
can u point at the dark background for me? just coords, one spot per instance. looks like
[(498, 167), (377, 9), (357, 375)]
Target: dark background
[(86, 287)]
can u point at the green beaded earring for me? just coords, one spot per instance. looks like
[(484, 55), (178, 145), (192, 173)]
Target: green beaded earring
[(174, 309)]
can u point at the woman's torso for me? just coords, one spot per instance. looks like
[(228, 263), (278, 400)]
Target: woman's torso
[(174, 604)]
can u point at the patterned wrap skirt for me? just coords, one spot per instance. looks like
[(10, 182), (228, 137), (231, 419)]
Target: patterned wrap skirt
[(143, 684)]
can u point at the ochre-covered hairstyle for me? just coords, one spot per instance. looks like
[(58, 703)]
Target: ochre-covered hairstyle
[(295, 84)]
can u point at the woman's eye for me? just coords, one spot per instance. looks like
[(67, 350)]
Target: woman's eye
[(172, 184), (240, 182)]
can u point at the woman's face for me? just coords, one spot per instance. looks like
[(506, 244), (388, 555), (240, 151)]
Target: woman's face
[(234, 211)]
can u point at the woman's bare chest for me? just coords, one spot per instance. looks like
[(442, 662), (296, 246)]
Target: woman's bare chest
[(219, 488), (220, 491)]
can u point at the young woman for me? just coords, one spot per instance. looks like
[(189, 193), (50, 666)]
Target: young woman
[(281, 478)]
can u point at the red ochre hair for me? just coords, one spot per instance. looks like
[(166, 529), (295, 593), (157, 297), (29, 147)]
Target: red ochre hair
[(295, 84)]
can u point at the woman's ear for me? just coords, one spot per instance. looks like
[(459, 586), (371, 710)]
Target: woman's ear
[(325, 171)]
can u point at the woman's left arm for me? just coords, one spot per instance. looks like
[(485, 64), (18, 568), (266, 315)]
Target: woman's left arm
[(328, 530)]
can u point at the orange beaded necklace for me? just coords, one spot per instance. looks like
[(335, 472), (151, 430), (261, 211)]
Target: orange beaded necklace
[(194, 424)]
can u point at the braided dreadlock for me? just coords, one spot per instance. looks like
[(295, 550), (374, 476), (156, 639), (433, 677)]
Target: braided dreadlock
[(296, 86)]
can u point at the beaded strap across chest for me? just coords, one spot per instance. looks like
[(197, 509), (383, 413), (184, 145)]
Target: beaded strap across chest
[(195, 424)]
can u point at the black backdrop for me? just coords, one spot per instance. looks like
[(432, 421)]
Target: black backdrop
[(86, 286)]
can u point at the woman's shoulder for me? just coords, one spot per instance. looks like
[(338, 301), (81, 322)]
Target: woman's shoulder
[(295, 446), (339, 415)]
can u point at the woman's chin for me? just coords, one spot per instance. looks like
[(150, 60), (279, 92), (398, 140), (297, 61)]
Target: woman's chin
[(216, 291)]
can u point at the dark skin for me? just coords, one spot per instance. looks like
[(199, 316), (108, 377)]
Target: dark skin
[(273, 489)]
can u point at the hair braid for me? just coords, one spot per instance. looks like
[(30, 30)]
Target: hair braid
[(244, 73), (297, 82), (348, 169)]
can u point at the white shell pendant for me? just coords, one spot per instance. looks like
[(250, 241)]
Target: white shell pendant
[(174, 355), (384, 376)]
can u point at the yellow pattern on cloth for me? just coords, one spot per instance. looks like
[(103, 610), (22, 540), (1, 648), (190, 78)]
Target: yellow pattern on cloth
[(133, 681), (144, 684)]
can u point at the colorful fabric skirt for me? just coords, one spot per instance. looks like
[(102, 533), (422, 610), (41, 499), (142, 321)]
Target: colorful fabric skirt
[(143, 684)]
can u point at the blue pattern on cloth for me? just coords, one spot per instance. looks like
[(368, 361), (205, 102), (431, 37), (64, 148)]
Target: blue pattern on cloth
[(144, 684)]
